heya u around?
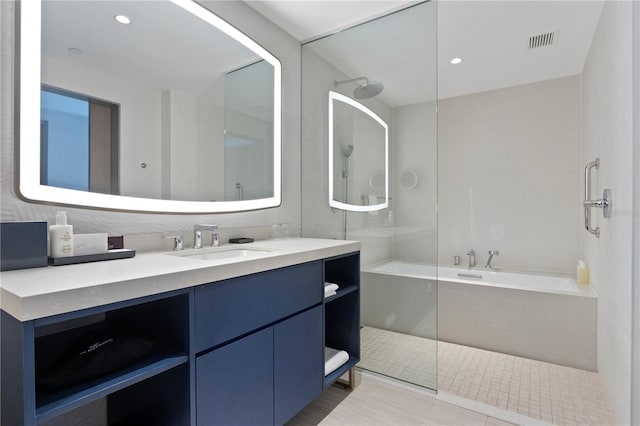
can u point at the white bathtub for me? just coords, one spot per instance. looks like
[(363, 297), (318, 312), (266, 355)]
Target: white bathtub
[(539, 316), (523, 281)]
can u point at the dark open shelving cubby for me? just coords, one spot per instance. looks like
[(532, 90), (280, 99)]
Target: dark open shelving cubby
[(342, 311), (344, 271), (163, 322), (49, 405)]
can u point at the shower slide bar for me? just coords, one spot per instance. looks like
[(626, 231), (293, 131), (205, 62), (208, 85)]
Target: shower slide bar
[(604, 203)]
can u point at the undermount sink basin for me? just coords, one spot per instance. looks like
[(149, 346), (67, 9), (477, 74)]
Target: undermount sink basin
[(222, 253)]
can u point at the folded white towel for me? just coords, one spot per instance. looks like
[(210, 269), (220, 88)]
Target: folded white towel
[(334, 359), (329, 293), (331, 286), (330, 289)]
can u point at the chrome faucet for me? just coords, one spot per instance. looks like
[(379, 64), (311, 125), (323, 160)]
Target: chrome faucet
[(197, 235), (491, 254), (472, 258), (177, 242)]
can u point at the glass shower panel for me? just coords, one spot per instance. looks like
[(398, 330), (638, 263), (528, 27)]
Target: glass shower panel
[(395, 53)]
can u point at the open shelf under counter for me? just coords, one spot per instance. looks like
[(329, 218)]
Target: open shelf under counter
[(342, 291), (330, 378), (49, 405), (342, 311)]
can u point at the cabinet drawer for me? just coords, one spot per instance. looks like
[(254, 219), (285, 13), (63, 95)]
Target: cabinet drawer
[(234, 383), (231, 308)]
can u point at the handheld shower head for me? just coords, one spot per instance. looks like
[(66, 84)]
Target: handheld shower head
[(366, 90), (346, 152)]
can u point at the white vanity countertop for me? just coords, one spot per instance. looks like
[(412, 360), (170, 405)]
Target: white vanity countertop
[(29, 294)]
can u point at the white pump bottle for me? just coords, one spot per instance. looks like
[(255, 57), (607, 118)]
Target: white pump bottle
[(61, 236)]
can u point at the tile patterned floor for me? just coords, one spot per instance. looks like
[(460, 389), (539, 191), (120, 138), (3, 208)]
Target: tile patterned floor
[(377, 403), (548, 392), (404, 357)]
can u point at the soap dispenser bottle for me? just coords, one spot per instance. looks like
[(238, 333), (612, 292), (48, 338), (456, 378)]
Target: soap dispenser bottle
[(61, 236), (582, 273)]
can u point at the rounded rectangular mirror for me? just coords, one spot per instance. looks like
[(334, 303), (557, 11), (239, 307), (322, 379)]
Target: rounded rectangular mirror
[(358, 156), (146, 106)]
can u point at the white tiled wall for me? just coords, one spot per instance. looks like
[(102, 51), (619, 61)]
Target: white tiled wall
[(509, 176), (415, 150), (606, 128)]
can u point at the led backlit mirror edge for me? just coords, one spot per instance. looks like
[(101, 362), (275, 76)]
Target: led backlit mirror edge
[(334, 96), (28, 139)]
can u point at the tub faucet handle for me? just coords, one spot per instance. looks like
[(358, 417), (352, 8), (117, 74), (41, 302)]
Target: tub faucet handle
[(456, 260), (491, 254)]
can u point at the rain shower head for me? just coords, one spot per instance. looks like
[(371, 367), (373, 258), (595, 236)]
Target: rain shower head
[(367, 90), (347, 151)]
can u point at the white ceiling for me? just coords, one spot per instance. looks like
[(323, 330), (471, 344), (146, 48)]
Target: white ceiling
[(308, 19), (492, 37)]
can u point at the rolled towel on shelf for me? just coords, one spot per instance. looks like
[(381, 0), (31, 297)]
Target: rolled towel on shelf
[(329, 293), (331, 286), (330, 289), (334, 359)]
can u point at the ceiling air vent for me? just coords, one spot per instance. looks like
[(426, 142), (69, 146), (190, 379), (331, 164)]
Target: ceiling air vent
[(541, 40)]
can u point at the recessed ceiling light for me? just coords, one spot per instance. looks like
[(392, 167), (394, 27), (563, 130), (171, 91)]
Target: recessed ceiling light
[(122, 19), (456, 61)]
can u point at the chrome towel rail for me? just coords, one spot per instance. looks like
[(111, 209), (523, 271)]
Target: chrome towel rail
[(604, 203)]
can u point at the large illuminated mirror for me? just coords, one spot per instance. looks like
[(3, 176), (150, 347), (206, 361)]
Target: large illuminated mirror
[(358, 156), (171, 110)]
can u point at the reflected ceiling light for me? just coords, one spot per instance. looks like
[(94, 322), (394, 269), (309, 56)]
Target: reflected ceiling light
[(122, 19), (74, 50), (456, 61)]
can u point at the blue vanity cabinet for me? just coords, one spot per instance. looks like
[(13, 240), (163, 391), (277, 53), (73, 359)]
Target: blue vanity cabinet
[(259, 346), (243, 351)]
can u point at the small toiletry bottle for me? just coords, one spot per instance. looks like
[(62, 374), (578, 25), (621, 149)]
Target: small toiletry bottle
[(61, 237), (582, 273)]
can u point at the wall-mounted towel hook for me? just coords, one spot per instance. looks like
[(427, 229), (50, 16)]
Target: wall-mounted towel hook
[(604, 203)]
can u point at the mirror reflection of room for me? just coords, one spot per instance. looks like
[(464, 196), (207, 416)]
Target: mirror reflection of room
[(192, 125), (358, 152)]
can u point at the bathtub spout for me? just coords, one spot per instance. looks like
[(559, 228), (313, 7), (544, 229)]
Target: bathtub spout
[(472, 258), (491, 254)]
